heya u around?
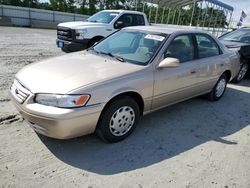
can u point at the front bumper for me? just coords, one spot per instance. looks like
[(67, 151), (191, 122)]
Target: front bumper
[(72, 46), (59, 123)]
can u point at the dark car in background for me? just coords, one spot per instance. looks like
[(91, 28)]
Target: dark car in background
[(239, 40)]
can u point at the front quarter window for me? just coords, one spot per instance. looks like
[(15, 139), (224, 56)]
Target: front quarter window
[(181, 48), (133, 46)]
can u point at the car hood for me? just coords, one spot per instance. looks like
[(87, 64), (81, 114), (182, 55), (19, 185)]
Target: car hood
[(231, 44), (68, 72), (81, 25)]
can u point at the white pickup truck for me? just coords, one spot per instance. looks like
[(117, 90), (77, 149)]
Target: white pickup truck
[(79, 35)]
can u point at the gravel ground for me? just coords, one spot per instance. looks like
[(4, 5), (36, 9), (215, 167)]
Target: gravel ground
[(196, 143)]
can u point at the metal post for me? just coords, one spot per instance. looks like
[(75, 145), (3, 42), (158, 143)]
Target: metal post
[(156, 15), (220, 22), (53, 16), (204, 20), (149, 15), (179, 15), (173, 17), (143, 6), (168, 15), (199, 14), (29, 15), (192, 13), (215, 23), (162, 17), (136, 5), (2, 10), (226, 20), (211, 16), (230, 19)]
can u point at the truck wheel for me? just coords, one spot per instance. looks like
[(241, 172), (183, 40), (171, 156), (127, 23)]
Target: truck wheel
[(241, 74), (219, 88), (118, 119)]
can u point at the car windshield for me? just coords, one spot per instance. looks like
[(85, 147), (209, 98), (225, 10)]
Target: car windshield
[(240, 35), (131, 46), (103, 17)]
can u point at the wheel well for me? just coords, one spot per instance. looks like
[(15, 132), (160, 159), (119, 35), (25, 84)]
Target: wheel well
[(228, 74), (137, 97), (92, 41), (97, 38)]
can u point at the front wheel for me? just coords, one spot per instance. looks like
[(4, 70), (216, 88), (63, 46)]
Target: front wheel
[(241, 74), (118, 119), (219, 88)]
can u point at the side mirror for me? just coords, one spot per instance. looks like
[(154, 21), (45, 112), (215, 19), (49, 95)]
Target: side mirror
[(119, 25), (169, 62)]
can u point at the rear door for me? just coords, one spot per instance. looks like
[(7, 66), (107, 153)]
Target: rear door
[(210, 62)]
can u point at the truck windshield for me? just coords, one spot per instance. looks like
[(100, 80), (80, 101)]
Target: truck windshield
[(103, 17), (136, 47), (240, 35)]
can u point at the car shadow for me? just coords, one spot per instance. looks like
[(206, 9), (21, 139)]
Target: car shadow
[(159, 136), (245, 82)]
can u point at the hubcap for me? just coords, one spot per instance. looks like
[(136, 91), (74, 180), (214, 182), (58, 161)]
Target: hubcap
[(242, 72), (220, 87), (122, 121)]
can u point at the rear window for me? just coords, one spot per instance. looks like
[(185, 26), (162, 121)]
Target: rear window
[(207, 47), (139, 19), (237, 36)]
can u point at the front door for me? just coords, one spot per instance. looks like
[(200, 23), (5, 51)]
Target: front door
[(178, 83)]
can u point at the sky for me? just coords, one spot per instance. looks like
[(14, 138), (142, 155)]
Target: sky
[(239, 5)]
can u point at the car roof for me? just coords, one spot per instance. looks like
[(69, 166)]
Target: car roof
[(120, 11), (165, 29)]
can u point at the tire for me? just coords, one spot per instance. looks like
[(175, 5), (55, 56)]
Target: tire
[(242, 73), (118, 119), (248, 71), (219, 88)]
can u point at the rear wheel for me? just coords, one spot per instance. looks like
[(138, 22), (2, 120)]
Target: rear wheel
[(241, 74), (219, 88), (118, 119)]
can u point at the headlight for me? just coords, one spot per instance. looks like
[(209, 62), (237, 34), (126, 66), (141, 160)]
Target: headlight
[(62, 101), (80, 33)]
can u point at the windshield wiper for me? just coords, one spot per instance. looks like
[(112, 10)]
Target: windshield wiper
[(121, 59)]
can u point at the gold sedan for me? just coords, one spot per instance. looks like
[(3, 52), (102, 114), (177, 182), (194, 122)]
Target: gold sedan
[(133, 72)]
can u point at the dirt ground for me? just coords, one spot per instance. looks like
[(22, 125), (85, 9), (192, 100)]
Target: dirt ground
[(196, 143)]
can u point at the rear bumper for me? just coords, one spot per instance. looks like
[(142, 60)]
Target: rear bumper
[(59, 123), (72, 46)]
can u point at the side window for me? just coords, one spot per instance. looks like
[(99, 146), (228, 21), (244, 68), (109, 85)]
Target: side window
[(181, 48), (207, 47), (138, 20), (127, 19)]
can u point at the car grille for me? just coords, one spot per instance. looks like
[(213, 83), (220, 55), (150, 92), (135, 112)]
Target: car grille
[(65, 33), (19, 92)]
